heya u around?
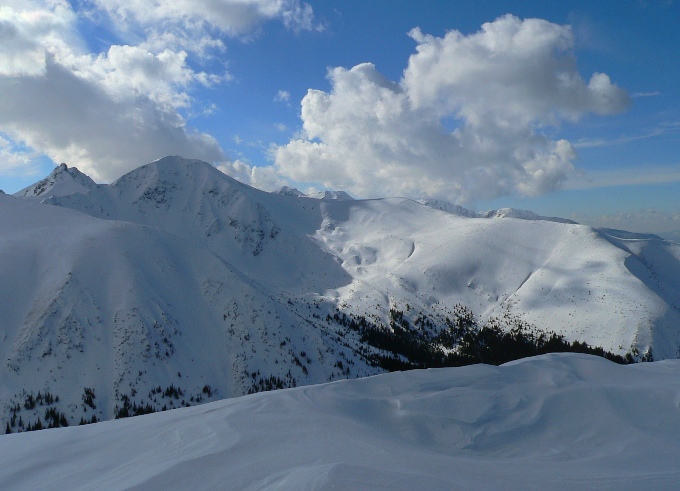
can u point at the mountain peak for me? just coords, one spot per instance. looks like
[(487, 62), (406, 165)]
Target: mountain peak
[(173, 165), (331, 195), (322, 195), (177, 160), (287, 191), (173, 171), (62, 181)]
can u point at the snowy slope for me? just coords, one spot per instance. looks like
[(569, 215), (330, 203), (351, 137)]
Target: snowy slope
[(195, 201), (560, 276), (177, 275), (61, 182), (124, 308), (448, 207), (551, 422), (523, 215), (369, 255)]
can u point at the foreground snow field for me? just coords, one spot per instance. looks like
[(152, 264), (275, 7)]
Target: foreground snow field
[(561, 421)]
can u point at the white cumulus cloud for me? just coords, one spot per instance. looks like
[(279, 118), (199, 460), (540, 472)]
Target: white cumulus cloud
[(467, 120), (232, 17), (265, 178), (110, 111), (29, 32), (72, 119), (11, 158)]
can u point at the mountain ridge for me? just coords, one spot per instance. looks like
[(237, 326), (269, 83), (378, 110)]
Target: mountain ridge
[(178, 276)]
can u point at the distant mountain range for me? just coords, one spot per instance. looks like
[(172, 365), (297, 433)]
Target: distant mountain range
[(673, 235), (323, 195), (176, 285)]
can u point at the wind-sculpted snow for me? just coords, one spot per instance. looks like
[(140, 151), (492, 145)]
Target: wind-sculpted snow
[(553, 422)]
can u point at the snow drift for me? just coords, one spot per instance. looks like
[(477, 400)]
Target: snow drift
[(556, 421)]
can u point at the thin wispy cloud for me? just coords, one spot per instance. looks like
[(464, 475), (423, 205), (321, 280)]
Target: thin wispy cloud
[(633, 176), (282, 96), (603, 142), (641, 220)]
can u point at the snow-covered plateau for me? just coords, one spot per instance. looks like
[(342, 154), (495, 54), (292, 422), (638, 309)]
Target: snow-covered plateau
[(559, 421), (177, 285)]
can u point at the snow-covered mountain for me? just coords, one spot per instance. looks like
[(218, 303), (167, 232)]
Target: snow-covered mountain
[(177, 278), (561, 421), (61, 182), (288, 191), (125, 309)]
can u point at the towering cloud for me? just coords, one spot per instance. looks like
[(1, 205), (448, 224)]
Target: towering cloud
[(470, 118)]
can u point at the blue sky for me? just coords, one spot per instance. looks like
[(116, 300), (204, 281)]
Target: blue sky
[(566, 108)]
